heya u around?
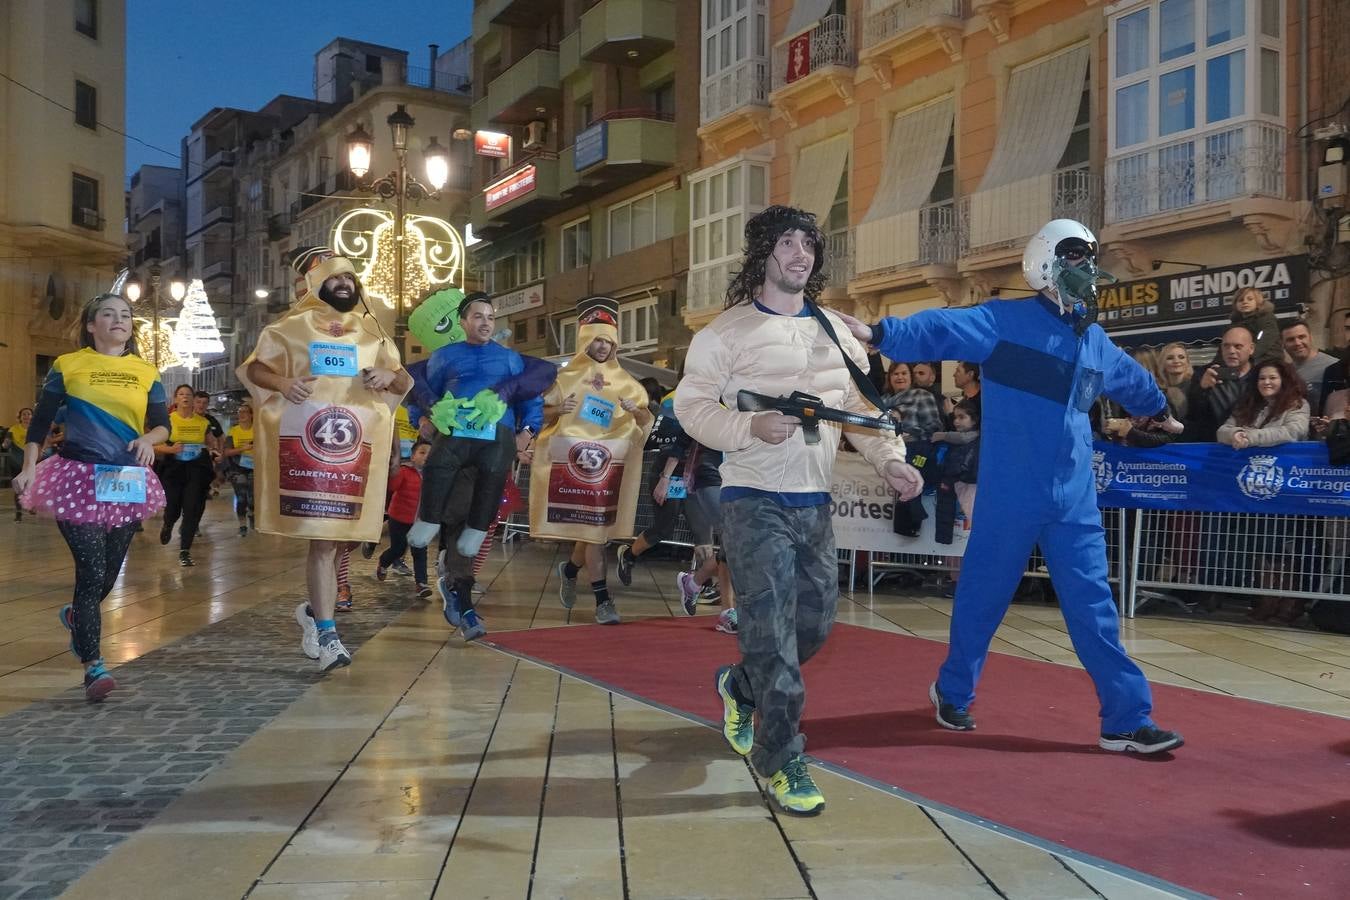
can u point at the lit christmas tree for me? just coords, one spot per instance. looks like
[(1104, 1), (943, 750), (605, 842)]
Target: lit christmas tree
[(196, 333)]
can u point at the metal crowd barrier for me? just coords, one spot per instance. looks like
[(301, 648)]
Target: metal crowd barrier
[(1152, 556)]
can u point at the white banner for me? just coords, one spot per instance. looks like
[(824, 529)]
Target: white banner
[(863, 505)]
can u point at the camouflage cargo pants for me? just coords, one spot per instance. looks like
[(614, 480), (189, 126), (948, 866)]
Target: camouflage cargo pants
[(783, 566)]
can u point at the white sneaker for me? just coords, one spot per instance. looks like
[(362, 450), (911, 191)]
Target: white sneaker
[(333, 655), (309, 632)]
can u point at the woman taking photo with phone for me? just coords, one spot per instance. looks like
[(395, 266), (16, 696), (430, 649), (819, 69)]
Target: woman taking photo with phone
[(98, 486)]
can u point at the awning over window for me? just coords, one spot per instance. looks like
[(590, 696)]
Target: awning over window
[(889, 233), (1014, 197), (805, 14), (1038, 114), (815, 181)]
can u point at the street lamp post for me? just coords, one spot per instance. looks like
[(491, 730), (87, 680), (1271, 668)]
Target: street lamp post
[(177, 290), (399, 185)]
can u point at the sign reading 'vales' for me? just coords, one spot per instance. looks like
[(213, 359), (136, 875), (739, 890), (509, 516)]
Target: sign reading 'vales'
[(1206, 294)]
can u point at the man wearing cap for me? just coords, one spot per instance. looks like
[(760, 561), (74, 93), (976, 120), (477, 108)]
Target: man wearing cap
[(487, 409), (325, 379), (587, 472)]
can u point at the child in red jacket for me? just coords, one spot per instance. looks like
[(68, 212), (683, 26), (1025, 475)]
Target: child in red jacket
[(405, 490)]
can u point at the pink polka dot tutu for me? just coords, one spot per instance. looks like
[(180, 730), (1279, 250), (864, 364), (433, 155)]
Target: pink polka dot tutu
[(64, 489)]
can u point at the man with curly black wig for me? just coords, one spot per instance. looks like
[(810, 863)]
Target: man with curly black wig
[(779, 543)]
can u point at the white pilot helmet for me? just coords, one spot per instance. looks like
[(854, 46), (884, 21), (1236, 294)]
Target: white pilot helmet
[(1054, 240)]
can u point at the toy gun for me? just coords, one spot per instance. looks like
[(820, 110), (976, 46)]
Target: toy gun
[(809, 410)]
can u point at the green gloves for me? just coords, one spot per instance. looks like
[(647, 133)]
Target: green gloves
[(484, 409), (488, 408), (447, 413)]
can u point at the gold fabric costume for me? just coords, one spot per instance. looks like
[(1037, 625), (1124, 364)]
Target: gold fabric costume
[(585, 478), (321, 467)]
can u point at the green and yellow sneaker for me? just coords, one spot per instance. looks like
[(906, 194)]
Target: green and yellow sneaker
[(738, 720), (795, 791)]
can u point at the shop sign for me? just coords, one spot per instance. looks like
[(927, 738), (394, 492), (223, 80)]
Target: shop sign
[(529, 297), (1204, 294), (517, 184), (492, 143), (592, 146)]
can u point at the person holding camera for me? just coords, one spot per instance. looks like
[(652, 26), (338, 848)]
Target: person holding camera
[(1216, 389)]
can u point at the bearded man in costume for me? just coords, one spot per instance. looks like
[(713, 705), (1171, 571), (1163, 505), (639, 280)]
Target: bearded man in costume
[(588, 468), (325, 379), (486, 407)]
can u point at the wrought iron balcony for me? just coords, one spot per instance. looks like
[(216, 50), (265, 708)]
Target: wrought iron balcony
[(830, 43), (927, 236), (1006, 216), (903, 17), (1246, 160), (839, 259)]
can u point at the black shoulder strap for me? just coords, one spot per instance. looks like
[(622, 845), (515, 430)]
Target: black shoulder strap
[(865, 385)]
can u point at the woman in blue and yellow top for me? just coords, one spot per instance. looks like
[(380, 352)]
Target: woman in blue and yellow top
[(239, 466), (98, 486), (13, 445), (187, 470)]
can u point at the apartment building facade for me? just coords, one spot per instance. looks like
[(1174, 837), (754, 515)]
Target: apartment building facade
[(584, 134), (61, 179), (932, 138)]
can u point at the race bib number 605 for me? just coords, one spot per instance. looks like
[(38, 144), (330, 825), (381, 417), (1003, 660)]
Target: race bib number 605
[(328, 358)]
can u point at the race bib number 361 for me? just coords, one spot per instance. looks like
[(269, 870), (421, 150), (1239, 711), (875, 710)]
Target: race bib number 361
[(119, 484)]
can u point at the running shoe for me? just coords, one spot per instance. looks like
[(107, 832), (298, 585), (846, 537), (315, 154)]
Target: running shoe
[(1146, 739), (344, 598), (688, 592), (399, 567), (98, 685), (567, 587), (726, 621), (449, 602), (166, 533), (471, 627), (957, 718), (243, 530), (367, 549), (606, 614), (67, 615), (309, 632), (424, 592), (795, 791), (185, 559), (625, 564), (333, 655), (381, 573), (738, 719), (711, 595)]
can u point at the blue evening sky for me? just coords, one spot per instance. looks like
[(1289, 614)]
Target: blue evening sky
[(185, 57)]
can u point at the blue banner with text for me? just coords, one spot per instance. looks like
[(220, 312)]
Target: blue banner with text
[(1291, 479)]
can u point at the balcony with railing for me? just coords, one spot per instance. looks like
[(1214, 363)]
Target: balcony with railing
[(524, 193), (435, 80), (925, 237), (737, 99), (1000, 220), (221, 161), (813, 65), (1223, 164), (220, 269), (620, 147), (905, 30), (838, 260)]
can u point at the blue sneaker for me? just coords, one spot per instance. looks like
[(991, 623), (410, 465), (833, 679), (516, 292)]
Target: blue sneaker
[(471, 627), (449, 602), (67, 615)]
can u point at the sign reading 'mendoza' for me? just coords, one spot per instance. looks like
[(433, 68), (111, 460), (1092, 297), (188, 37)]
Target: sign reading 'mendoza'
[(1201, 295)]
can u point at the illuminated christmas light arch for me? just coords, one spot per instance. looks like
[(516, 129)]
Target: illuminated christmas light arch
[(433, 252)]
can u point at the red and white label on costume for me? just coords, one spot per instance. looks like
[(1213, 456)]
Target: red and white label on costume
[(323, 461), (584, 480)]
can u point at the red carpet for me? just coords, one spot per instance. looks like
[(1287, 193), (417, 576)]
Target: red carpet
[(1257, 804)]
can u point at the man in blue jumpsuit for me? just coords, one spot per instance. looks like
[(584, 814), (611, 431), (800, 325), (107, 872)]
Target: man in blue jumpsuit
[(1044, 361)]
